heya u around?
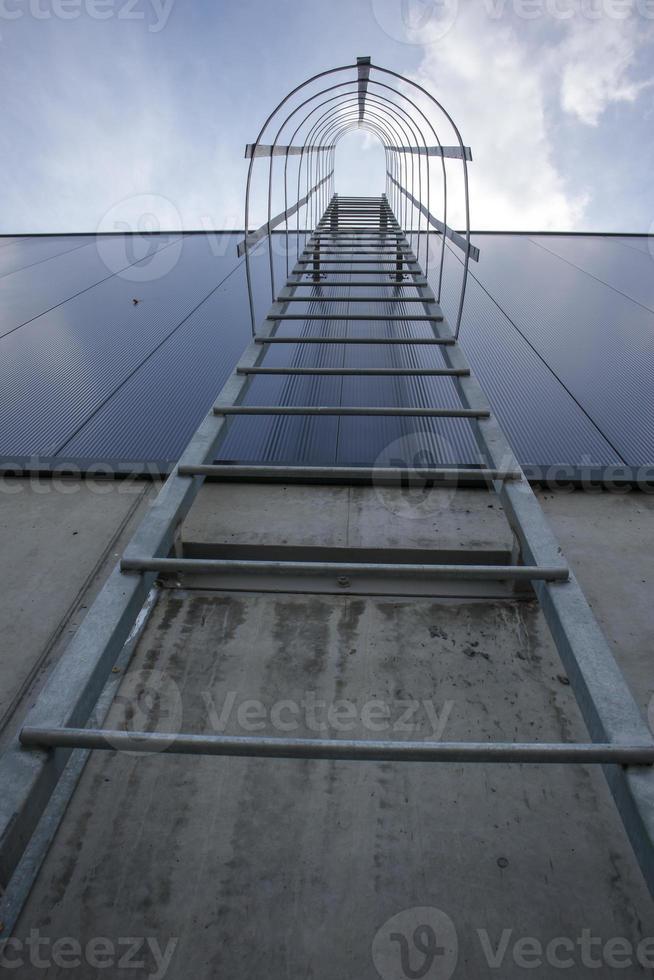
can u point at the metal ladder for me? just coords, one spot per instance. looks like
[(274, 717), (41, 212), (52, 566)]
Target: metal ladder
[(359, 243), (58, 721)]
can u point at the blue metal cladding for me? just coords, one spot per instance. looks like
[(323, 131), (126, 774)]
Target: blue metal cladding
[(559, 329), (152, 415), (31, 291), (616, 267), (24, 253), (596, 340), (350, 440), (59, 370), (545, 424)]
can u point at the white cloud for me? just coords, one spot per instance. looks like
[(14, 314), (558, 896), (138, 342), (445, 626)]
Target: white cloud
[(486, 78), (507, 84), (596, 62)]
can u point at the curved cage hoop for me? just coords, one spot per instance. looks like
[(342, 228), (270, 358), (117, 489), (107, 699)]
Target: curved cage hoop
[(306, 127)]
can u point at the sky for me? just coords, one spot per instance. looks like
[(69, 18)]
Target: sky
[(117, 112)]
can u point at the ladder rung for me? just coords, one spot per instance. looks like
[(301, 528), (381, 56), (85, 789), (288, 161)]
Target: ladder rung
[(349, 750), (358, 225), (387, 273), (401, 411), (383, 372), (364, 236), (353, 299), (390, 260), (311, 253), (364, 282), (208, 566), (388, 475), (444, 341), (364, 228), (352, 243), (346, 237), (397, 245), (402, 317)]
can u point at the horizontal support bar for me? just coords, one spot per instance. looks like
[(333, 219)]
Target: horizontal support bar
[(351, 225), (263, 150), (361, 229), (330, 249), (391, 260), (384, 242), (404, 341), (454, 236), (330, 231), (351, 299), (392, 372), (362, 282), (367, 240), (454, 152), (466, 573), (254, 236), (388, 273), (339, 209), (356, 255), (394, 317), (346, 750), (436, 413), (386, 475)]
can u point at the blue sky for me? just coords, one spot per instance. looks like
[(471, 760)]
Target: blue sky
[(113, 107)]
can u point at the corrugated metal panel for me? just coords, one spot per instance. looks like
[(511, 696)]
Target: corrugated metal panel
[(629, 271), (643, 243), (599, 343), (60, 369), (27, 293), (351, 440), (26, 253), (542, 420), (11, 239), (565, 359), (153, 414)]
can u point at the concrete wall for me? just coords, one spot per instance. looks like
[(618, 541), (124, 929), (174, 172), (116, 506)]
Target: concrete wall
[(60, 538)]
